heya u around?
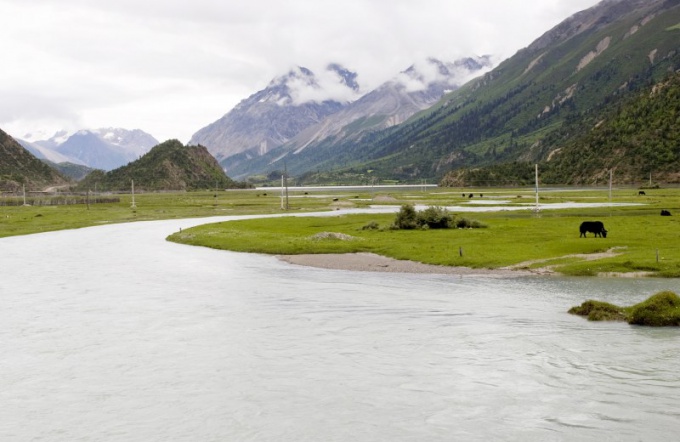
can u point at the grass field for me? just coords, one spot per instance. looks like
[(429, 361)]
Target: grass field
[(643, 240)]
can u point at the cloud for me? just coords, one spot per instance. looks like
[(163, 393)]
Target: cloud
[(171, 67)]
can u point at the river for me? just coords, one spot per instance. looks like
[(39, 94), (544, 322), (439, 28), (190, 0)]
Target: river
[(111, 333)]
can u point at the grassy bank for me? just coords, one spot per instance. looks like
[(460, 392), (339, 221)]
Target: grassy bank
[(639, 239), (512, 238), (22, 220)]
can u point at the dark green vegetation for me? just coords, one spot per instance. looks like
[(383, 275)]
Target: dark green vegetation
[(74, 171), (167, 166), (639, 240), (433, 217), (535, 107), (636, 137), (19, 168), (661, 309)]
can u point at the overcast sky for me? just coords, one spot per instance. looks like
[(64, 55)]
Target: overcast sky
[(171, 67)]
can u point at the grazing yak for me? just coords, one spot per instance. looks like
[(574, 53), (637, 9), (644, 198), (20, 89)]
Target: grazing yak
[(595, 227), (665, 212)]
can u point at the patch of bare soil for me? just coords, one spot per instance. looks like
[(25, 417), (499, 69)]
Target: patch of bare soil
[(550, 269), (371, 262)]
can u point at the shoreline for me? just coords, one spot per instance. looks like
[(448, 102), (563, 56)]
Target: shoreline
[(371, 262)]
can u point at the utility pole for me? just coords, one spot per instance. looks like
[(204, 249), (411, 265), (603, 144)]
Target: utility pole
[(134, 206), (285, 173), (536, 172)]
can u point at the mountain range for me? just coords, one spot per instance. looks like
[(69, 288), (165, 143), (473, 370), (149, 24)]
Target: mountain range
[(578, 91), (518, 111), (105, 148), (300, 109)]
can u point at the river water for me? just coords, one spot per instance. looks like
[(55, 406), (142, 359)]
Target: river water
[(113, 334)]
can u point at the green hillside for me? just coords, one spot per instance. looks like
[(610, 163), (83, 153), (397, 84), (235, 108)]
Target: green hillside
[(19, 168), (634, 137), (519, 111), (167, 166)]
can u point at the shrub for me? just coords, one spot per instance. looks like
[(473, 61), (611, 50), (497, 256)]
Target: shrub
[(464, 223), (371, 226), (434, 217), (407, 218)]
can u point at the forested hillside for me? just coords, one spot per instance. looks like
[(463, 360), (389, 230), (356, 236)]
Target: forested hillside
[(167, 166), (19, 168), (634, 137)]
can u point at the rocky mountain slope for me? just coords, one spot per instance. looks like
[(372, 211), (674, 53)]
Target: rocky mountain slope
[(274, 115), (414, 90)]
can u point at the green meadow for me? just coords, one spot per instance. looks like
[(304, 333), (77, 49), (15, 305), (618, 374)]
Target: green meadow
[(639, 239)]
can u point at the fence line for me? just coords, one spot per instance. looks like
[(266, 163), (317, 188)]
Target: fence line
[(55, 201)]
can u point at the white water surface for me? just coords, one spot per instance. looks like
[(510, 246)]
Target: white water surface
[(112, 333)]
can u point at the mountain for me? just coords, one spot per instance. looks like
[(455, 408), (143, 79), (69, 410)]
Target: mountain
[(167, 166), (635, 137), (519, 110), (41, 151), (274, 115), (18, 167), (106, 148), (413, 90)]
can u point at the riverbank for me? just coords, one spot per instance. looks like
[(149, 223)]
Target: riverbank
[(371, 262)]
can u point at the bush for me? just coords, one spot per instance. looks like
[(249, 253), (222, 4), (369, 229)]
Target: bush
[(371, 226), (434, 217), (407, 218), (464, 223)]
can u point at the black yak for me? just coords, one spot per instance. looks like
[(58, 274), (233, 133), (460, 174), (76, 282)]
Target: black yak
[(595, 227)]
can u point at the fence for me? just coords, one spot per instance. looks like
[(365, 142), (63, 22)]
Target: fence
[(61, 200)]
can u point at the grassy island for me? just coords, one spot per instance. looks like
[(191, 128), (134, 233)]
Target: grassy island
[(661, 309)]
